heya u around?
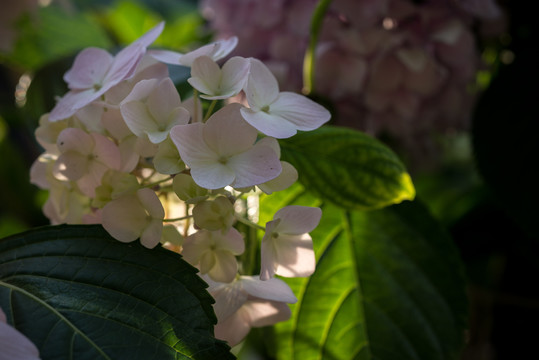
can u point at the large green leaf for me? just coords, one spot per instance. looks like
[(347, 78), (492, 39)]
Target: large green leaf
[(79, 294), (389, 284), (348, 168)]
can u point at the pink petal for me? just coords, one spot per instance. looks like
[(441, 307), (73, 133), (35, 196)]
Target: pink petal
[(106, 152), (126, 61), (74, 139), (89, 69), (234, 329), (72, 165), (71, 102)]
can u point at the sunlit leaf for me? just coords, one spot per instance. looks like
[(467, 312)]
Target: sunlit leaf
[(389, 284), (79, 294), (348, 168)]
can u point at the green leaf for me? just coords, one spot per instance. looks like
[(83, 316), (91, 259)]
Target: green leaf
[(79, 294), (348, 168), (55, 35), (388, 285)]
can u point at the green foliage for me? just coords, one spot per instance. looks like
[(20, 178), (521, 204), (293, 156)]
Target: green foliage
[(388, 285), (79, 294), (54, 35), (348, 168)]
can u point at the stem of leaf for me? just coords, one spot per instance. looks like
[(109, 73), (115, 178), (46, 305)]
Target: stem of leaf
[(309, 59)]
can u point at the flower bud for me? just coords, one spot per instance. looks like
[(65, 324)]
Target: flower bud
[(187, 190), (215, 214)]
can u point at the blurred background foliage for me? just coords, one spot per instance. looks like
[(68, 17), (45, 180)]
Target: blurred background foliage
[(484, 192)]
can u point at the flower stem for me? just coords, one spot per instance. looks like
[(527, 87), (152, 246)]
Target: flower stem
[(178, 219), (210, 111), (249, 223), (309, 59)]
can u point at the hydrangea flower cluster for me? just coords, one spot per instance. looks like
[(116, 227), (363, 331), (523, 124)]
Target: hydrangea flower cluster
[(401, 68), (122, 149)]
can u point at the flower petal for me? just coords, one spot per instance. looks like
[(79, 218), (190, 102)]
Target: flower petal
[(163, 99), (296, 219), (205, 76), (261, 88), (124, 218), (225, 267), (299, 110), (272, 289), (269, 124), (255, 166), (89, 69), (227, 133), (286, 178), (266, 313)]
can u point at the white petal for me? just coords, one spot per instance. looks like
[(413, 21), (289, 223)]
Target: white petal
[(261, 88), (228, 297), (255, 166), (272, 289), (225, 267), (166, 56), (269, 124), (205, 76), (272, 143), (141, 90), (138, 118), (163, 99), (227, 133), (266, 313), (151, 236), (286, 178), (294, 256), (232, 241), (296, 219), (234, 75), (149, 199), (124, 218), (301, 111)]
